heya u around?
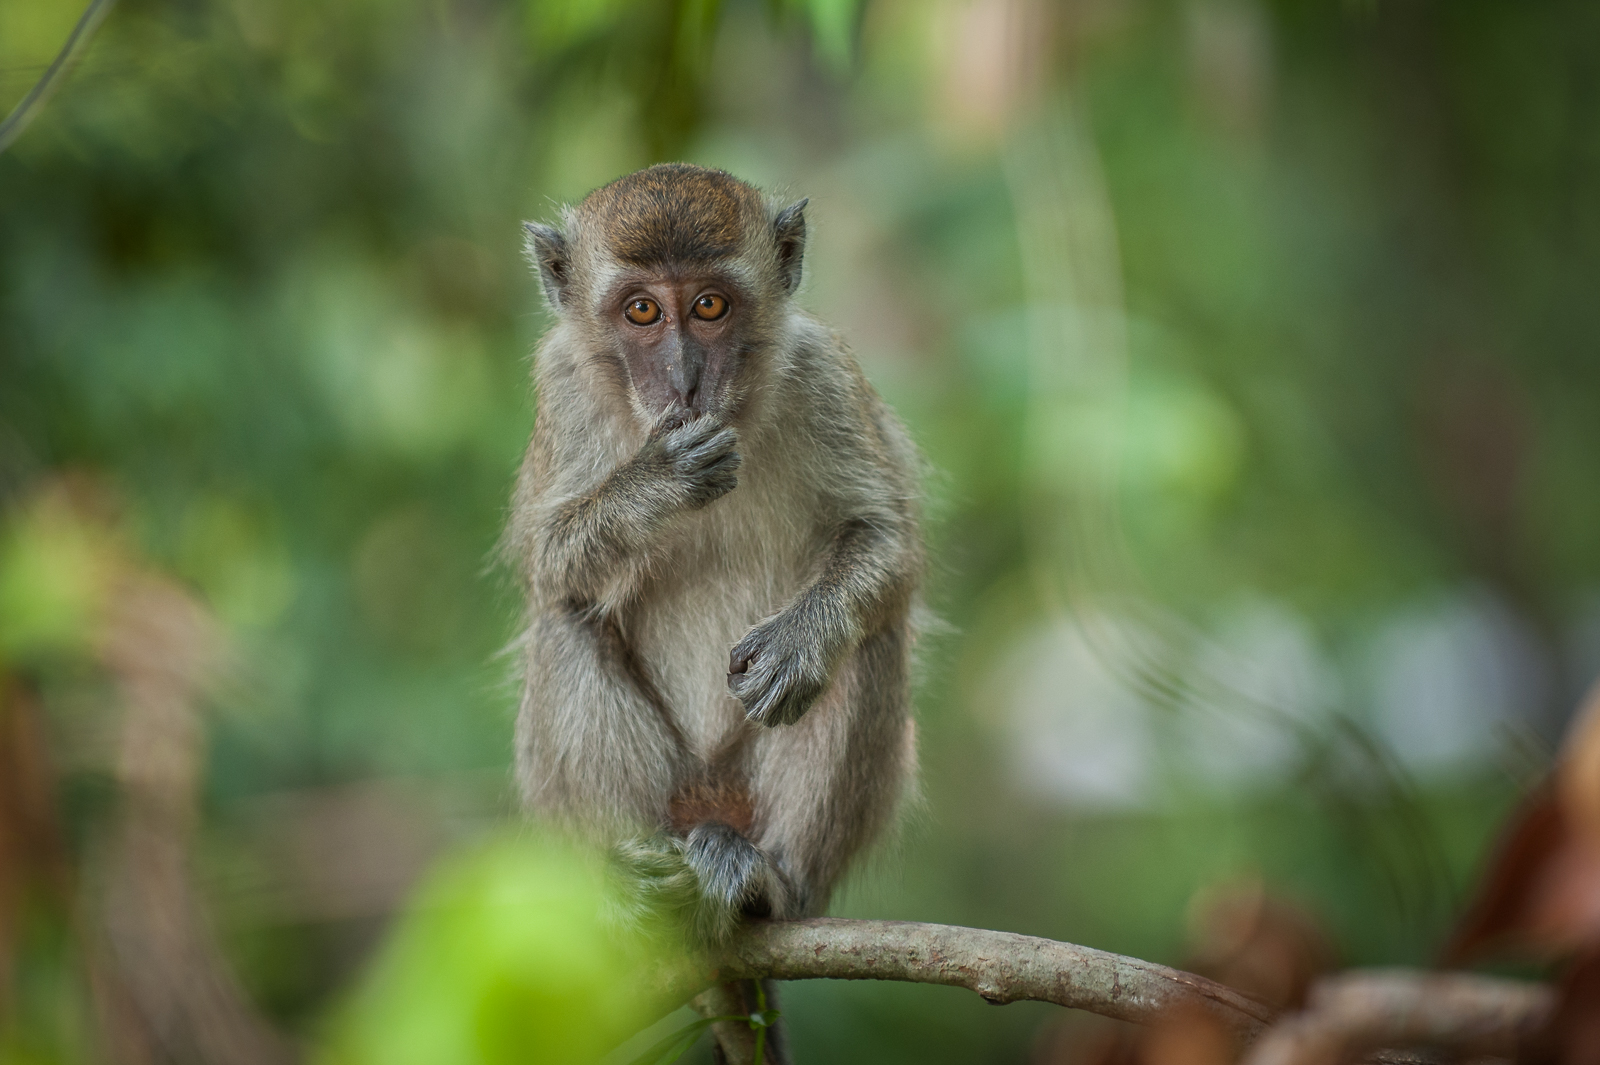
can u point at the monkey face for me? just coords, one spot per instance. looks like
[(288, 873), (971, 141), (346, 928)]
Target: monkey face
[(683, 338), (678, 278)]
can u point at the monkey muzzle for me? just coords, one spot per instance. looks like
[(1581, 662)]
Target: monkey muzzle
[(686, 364)]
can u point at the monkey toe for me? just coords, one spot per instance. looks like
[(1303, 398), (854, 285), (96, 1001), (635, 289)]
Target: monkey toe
[(653, 880), (655, 861), (724, 861), (735, 877)]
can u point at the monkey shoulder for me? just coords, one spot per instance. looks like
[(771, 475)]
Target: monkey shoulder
[(837, 413)]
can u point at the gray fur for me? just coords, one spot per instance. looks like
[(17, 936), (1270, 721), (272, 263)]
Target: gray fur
[(790, 228), (546, 250), (722, 600)]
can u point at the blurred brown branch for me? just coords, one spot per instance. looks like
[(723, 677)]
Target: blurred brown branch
[(33, 857), (162, 991), (1349, 1016), (1358, 1012), (167, 990), (1000, 966)]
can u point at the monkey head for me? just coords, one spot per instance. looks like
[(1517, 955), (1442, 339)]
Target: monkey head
[(678, 279)]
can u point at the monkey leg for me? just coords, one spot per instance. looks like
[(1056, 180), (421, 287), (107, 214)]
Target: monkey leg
[(827, 785), (595, 746)]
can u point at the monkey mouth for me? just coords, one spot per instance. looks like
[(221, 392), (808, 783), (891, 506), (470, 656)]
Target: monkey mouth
[(674, 416), (679, 411)]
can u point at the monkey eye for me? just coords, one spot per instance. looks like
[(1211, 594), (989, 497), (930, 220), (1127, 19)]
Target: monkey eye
[(643, 312), (710, 307)]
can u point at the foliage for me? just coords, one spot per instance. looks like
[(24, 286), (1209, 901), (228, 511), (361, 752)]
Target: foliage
[(504, 956), (1290, 435)]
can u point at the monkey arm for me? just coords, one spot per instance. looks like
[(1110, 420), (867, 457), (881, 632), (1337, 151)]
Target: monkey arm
[(866, 578), (865, 581), (587, 541), (584, 542)]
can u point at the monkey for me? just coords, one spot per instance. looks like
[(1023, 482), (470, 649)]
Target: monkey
[(716, 526)]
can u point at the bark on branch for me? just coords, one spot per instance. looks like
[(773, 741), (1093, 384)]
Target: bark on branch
[(1000, 966), (1350, 1016)]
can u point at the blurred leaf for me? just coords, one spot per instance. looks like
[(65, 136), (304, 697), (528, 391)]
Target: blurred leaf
[(238, 558), (833, 27), (1540, 891), (55, 571), (1573, 1034), (559, 24), (674, 1046), (502, 960)]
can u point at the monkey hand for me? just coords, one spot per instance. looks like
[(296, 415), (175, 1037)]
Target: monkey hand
[(697, 457), (778, 671)]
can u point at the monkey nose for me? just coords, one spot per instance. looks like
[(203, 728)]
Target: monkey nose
[(685, 382), (685, 361)]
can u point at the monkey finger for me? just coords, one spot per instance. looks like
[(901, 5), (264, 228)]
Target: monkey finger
[(793, 692), (699, 461), (725, 473), (685, 437), (713, 447), (700, 466), (749, 683), (764, 699), (697, 432), (751, 689), (746, 651), (705, 490), (786, 707)]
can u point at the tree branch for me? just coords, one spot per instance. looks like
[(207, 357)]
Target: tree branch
[(1000, 966), (30, 105), (1350, 1016), (1355, 1013)]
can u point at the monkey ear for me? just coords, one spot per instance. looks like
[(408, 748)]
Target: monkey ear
[(546, 249), (790, 229)]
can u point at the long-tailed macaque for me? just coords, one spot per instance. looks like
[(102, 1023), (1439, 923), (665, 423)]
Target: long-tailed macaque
[(717, 524)]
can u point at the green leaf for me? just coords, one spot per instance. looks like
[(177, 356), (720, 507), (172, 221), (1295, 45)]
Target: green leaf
[(559, 24), (671, 1048), (833, 26), (502, 959)]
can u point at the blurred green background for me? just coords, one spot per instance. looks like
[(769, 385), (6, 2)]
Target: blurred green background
[(1252, 345)]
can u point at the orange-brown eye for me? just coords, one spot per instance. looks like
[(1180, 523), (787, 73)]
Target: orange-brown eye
[(710, 307), (643, 312)]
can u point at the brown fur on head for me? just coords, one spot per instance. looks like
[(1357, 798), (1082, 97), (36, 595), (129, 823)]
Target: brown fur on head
[(680, 276), (674, 213)]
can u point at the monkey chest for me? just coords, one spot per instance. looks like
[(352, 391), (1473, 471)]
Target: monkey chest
[(714, 582)]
